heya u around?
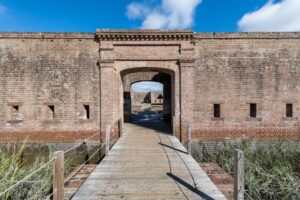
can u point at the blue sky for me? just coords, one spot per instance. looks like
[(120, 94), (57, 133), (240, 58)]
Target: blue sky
[(198, 15), (147, 86)]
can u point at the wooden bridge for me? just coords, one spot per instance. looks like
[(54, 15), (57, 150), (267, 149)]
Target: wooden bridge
[(148, 164)]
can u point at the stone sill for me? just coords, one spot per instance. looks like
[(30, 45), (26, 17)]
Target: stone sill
[(51, 121), (15, 121), (253, 119), (217, 119), (86, 120), (290, 118)]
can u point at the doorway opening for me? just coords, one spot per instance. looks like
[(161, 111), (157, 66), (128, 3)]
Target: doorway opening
[(147, 102)]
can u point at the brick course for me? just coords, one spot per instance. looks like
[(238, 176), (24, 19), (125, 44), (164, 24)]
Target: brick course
[(69, 70)]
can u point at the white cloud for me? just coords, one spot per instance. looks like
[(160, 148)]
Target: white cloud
[(136, 10), (273, 16), (147, 86), (154, 21), (164, 14), (3, 9)]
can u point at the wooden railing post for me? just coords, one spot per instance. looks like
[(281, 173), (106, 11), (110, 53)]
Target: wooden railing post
[(189, 142), (120, 127), (107, 140), (58, 175), (239, 175)]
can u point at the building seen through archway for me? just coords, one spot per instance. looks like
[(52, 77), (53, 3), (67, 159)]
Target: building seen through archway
[(147, 99)]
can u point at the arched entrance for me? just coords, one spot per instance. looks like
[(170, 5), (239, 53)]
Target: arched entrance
[(151, 52), (145, 111)]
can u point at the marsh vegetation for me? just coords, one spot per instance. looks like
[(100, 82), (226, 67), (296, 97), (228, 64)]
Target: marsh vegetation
[(272, 169)]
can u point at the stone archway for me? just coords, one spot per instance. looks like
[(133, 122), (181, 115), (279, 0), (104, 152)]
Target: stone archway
[(152, 51)]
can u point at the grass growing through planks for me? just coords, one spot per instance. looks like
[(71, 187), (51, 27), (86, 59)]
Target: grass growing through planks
[(13, 169), (272, 170)]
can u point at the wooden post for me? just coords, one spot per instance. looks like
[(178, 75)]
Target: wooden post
[(58, 175), (120, 127), (239, 175), (107, 140), (189, 140)]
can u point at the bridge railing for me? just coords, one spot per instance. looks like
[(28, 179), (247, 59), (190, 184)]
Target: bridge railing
[(239, 175), (239, 171), (59, 162)]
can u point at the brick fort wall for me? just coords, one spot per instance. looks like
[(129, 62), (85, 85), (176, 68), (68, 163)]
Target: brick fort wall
[(67, 86)]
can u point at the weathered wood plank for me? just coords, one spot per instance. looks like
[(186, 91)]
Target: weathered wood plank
[(145, 164), (239, 175)]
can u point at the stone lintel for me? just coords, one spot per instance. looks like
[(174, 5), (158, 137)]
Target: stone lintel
[(17, 103)]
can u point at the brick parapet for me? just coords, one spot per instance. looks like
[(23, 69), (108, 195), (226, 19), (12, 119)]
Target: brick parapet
[(247, 35), (46, 35)]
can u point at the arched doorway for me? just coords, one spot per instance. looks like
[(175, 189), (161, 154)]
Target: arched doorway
[(122, 52), (149, 108)]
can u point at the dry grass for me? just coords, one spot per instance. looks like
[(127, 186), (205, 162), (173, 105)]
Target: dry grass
[(13, 169), (272, 170)]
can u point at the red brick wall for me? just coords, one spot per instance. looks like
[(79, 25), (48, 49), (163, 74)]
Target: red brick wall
[(249, 68), (69, 70), (38, 70)]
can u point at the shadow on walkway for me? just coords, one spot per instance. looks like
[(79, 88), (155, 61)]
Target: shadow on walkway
[(190, 187), (165, 145), (152, 120)]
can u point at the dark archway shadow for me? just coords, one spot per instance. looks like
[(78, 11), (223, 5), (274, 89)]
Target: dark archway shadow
[(151, 120), (190, 187)]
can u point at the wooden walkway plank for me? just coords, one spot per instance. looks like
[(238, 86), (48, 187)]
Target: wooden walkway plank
[(147, 164)]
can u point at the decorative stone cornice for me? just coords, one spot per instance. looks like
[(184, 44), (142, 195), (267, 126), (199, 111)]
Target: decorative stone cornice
[(151, 35), (143, 35)]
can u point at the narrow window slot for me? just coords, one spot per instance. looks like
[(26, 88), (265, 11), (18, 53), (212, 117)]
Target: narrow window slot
[(253, 110), (15, 109), (51, 111), (289, 110), (15, 114), (217, 111), (87, 111)]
